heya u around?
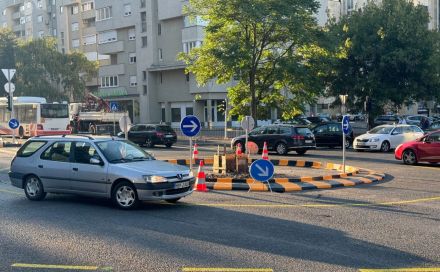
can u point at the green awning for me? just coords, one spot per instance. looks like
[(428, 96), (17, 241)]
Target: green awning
[(111, 92)]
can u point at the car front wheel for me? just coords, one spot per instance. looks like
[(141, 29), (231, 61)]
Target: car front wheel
[(385, 147), (125, 196), (33, 188), (149, 143), (409, 157)]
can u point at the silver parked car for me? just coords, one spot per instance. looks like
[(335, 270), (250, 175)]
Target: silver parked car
[(103, 167)]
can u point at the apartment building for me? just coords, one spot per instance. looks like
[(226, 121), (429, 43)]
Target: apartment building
[(29, 19)]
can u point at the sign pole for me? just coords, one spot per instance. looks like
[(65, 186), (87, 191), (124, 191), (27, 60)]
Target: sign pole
[(114, 123), (190, 154), (12, 105), (125, 126), (343, 151)]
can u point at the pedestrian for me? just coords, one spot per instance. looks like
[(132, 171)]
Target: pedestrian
[(424, 123)]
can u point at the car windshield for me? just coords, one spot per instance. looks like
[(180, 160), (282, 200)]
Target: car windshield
[(122, 151), (381, 130)]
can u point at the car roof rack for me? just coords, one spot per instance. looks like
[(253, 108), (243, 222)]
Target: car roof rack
[(64, 135)]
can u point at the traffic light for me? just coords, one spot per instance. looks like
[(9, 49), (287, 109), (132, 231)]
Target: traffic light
[(9, 102)]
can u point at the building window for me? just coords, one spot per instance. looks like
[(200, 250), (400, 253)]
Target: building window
[(5, 25), (89, 39), (131, 34), (89, 22), (39, 4), (133, 81), (349, 4), (54, 32), (163, 115), (127, 10), (193, 21), (75, 43), (145, 90), (143, 4), (143, 21), (132, 57), (28, 5), (28, 19), (109, 81), (75, 9), (161, 77), (189, 111), (104, 13), (22, 8), (40, 18), (4, 12), (62, 38), (188, 46), (187, 77), (160, 54), (22, 20), (175, 115), (61, 9), (75, 26), (41, 34), (144, 75), (107, 37), (87, 6), (144, 41), (159, 29)]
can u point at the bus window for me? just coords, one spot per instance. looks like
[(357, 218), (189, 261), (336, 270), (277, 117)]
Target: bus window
[(54, 111)]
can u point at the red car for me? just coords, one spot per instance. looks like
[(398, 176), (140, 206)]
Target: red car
[(425, 149)]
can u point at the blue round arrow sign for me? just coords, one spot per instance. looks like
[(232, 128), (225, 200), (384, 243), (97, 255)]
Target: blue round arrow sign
[(346, 124), (13, 123), (190, 125), (261, 170)]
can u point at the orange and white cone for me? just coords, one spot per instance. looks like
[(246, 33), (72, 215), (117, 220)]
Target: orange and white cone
[(238, 151), (195, 153), (201, 179), (265, 155)]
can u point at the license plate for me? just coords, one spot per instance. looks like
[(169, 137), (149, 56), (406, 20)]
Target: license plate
[(53, 129), (181, 185), (169, 136), (309, 141)]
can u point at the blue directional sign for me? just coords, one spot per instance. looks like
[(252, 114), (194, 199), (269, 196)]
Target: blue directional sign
[(190, 125), (114, 106), (261, 170), (346, 124), (13, 123)]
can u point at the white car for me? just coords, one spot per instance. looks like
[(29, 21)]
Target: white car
[(387, 137)]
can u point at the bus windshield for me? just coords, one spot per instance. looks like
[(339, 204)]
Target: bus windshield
[(54, 111)]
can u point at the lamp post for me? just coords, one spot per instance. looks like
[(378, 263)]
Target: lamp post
[(343, 98)]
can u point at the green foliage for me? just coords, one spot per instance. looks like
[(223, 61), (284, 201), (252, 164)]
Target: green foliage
[(254, 42), (43, 71), (391, 56)]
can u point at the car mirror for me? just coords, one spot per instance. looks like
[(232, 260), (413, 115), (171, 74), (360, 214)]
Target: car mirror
[(95, 161), (427, 140)]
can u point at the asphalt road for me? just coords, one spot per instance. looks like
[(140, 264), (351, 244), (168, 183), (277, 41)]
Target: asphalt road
[(387, 225)]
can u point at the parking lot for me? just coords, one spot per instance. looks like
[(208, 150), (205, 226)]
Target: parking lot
[(386, 225)]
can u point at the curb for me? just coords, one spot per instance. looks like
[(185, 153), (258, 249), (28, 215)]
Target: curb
[(354, 176)]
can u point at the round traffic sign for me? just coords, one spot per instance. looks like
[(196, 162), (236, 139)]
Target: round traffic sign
[(261, 170), (248, 123), (346, 124), (190, 125), (13, 123), (124, 123), (9, 87)]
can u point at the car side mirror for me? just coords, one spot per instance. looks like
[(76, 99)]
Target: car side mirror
[(96, 161), (427, 140)]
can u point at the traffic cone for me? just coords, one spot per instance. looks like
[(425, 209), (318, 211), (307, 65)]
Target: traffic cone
[(201, 179), (265, 155), (195, 153), (238, 151)]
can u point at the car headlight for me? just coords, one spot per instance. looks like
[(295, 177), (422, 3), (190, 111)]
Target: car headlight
[(399, 146), (374, 140), (190, 174), (154, 179)]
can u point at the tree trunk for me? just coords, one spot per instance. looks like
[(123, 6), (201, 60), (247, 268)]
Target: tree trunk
[(254, 101)]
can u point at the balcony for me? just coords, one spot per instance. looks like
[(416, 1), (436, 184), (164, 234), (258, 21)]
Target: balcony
[(168, 9), (112, 70), (89, 14), (112, 47), (16, 28), (16, 15), (193, 33)]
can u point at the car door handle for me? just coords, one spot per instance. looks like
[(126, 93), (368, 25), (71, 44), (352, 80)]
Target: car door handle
[(40, 166), (75, 169)]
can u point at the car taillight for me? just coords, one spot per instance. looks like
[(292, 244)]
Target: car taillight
[(298, 137), (159, 134), (39, 127)]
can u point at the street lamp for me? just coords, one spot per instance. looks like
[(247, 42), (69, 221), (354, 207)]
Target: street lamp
[(343, 98)]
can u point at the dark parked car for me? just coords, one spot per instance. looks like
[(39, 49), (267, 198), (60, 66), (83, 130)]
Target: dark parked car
[(150, 135), (433, 127), (280, 138), (387, 120), (318, 119), (330, 134)]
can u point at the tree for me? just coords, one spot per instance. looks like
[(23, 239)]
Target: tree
[(8, 44), (391, 56), (257, 44)]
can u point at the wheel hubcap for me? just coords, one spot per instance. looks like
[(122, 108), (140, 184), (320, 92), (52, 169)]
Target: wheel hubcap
[(32, 187), (409, 157), (125, 196), (281, 148), (385, 146)]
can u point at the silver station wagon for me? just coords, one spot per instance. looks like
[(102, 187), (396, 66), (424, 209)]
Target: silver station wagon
[(102, 167)]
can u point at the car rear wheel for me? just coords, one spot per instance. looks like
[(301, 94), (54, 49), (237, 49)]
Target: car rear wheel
[(125, 196), (149, 143), (33, 188), (347, 143), (409, 157), (301, 152), (281, 148), (385, 146), (173, 200)]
